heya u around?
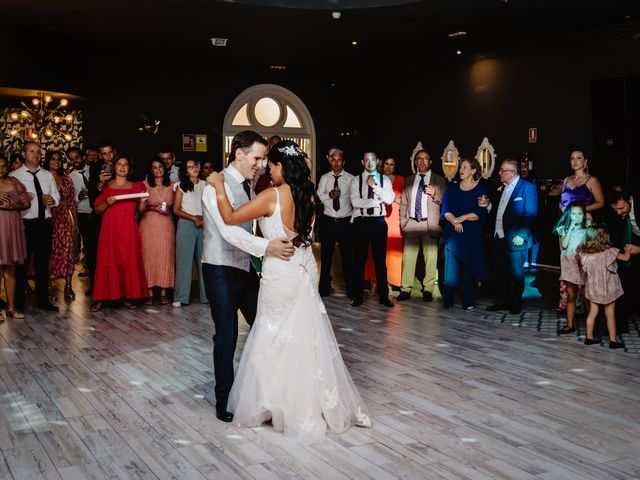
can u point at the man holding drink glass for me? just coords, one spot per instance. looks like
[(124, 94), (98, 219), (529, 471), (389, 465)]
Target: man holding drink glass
[(37, 225)]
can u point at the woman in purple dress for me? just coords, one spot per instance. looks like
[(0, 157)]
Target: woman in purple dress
[(584, 188), (13, 245)]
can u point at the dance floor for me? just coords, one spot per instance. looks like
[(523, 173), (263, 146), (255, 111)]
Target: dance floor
[(453, 395)]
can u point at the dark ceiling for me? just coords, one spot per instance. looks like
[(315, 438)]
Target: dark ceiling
[(156, 40)]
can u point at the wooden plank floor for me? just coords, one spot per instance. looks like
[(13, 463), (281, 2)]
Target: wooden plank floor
[(453, 395)]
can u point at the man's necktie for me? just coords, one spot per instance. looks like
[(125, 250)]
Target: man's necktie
[(370, 195), (247, 188), (419, 194), (84, 179), (336, 200), (39, 194), (255, 261), (626, 239)]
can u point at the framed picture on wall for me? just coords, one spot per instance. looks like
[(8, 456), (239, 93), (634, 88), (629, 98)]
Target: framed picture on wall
[(188, 142)]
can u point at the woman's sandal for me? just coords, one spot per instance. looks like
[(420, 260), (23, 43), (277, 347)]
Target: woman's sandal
[(13, 313), (129, 306), (149, 301), (566, 329), (96, 307), (164, 300)]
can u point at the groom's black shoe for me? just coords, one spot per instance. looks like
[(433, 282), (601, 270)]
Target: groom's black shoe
[(224, 416), (356, 302)]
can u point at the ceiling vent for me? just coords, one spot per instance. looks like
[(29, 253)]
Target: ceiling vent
[(219, 42)]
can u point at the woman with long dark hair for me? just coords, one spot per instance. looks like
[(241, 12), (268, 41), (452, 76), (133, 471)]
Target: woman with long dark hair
[(187, 206), (119, 268), (157, 231), (64, 222), (292, 339)]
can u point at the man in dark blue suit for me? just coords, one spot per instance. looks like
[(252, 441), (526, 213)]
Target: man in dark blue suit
[(514, 213)]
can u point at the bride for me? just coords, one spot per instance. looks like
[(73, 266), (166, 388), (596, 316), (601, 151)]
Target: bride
[(291, 372)]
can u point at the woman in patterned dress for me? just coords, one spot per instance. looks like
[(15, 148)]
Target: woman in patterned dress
[(157, 231), (63, 219)]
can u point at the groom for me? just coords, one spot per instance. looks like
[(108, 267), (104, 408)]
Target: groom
[(230, 281)]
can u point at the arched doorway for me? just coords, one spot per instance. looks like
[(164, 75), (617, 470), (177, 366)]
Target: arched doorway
[(271, 110)]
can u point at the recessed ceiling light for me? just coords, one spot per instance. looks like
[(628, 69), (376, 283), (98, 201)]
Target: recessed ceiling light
[(336, 15), (278, 67), (219, 42), (354, 43), (458, 52), (457, 34)]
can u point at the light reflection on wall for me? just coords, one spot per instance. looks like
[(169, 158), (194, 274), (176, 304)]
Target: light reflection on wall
[(484, 74)]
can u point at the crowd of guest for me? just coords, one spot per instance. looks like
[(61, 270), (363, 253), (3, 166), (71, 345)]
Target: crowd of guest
[(141, 240), (132, 247), (457, 222)]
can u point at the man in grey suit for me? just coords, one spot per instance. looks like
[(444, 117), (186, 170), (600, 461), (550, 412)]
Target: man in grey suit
[(230, 279), (419, 217)]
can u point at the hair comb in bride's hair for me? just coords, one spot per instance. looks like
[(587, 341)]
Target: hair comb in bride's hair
[(292, 150)]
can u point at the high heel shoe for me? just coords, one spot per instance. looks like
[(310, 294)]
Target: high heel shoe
[(69, 295)]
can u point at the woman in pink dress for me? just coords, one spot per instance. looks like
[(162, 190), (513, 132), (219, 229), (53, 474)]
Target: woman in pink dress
[(394, 236), (119, 267), (602, 285), (13, 244), (158, 232), (63, 219)]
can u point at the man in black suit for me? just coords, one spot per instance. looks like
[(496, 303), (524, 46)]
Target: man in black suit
[(624, 227)]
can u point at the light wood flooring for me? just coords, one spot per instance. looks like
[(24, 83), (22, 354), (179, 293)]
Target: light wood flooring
[(453, 395)]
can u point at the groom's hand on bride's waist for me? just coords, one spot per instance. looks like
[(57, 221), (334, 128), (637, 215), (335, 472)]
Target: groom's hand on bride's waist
[(280, 248)]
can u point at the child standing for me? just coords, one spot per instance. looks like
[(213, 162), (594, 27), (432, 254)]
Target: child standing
[(602, 284), (572, 228)]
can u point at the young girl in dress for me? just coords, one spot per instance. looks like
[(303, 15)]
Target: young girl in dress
[(602, 284), (572, 228)]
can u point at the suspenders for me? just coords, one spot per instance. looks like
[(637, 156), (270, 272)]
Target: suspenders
[(360, 190)]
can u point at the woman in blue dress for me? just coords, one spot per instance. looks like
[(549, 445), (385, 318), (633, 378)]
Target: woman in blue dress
[(463, 233)]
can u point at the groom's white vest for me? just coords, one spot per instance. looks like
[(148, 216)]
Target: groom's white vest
[(220, 252)]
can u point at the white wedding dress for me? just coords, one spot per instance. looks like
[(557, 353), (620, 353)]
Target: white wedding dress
[(291, 371)]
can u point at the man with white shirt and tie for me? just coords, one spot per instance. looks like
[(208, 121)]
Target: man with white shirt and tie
[(37, 225), (370, 192), (420, 224), (516, 211), (80, 178), (335, 225), (230, 278)]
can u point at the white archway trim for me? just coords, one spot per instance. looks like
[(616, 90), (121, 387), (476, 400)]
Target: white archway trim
[(294, 121)]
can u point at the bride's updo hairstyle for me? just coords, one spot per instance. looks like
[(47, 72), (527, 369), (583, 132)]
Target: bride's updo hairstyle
[(297, 175)]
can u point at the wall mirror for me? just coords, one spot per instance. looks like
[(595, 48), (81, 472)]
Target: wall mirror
[(486, 157), (450, 160)]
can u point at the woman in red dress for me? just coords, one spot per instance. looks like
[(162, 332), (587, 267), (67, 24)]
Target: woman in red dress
[(63, 220), (119, 268)]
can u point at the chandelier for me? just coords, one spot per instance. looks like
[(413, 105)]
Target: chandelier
[(43, 121)]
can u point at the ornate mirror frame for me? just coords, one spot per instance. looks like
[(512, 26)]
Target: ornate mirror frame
[(486, 157), (450, 160)]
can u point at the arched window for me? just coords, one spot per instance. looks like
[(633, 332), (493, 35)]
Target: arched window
[(271, 110)]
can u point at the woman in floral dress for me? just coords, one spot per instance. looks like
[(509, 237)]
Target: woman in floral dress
[(63, 219)]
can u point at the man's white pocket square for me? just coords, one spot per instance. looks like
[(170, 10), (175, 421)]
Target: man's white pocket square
[(517, 199)]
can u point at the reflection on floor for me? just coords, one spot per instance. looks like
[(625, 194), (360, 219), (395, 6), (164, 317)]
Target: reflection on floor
[(453, 394)]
